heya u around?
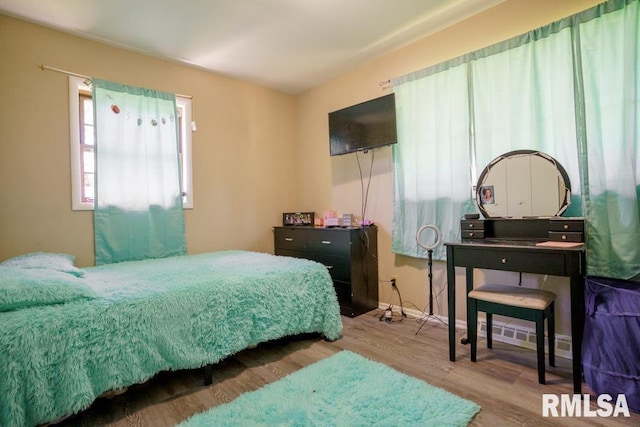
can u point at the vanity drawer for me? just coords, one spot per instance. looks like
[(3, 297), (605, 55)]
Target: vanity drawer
[(471, 224), (472, 229), (472, 234), (561, 236), (566, 224), (542, 262)]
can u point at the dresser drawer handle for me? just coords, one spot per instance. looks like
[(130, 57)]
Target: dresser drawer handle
[(289, 239), (470, 225), (566, 226), (564, 237), (504, 260), (326, 242), (471, 234)]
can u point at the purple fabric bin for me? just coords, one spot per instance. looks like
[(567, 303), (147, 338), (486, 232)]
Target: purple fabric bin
[(611, 345)]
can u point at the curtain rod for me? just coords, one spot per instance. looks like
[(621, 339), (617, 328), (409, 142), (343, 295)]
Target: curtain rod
[(58, 70)]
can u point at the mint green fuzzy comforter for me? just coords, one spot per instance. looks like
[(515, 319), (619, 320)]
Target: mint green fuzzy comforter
[(144, 317)]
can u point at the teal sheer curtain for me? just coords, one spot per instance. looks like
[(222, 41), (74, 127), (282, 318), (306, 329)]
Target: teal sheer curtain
[(433, 127), (138, 205), (569, 89), (524, 99), (609, 60)]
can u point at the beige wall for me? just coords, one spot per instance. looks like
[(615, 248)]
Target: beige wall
[(243, 150), (256, 154), (334, 183)]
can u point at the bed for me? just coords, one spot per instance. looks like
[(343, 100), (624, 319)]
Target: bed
[(68, 335)]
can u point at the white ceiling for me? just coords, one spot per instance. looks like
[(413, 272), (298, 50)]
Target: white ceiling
[(289, 45)]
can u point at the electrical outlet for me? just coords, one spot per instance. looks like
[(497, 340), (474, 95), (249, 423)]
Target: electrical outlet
[(394, 281)]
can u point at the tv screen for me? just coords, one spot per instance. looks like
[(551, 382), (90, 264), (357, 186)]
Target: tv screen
[(364, 126)]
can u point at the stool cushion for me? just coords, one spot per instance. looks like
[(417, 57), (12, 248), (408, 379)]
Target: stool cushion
[(516, 296)]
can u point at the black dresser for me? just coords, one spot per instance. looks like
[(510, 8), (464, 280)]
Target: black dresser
[(350, 254)]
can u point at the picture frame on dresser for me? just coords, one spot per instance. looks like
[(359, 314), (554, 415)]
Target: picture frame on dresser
[(298, 218)]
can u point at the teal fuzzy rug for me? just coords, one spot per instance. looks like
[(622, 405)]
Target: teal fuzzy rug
[(345, 389)]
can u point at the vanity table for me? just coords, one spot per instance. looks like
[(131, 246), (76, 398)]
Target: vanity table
[(549, 245), (519, 252)]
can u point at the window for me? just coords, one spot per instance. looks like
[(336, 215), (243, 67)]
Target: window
[(185, 128), (562, 89), (86, 143), (82, 146)]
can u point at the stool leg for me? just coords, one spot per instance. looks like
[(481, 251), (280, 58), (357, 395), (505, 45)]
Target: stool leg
[(551, 328), (472, 327), (489, 330), (540, 345)]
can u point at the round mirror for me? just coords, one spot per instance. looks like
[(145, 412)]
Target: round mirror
[(523, 183)]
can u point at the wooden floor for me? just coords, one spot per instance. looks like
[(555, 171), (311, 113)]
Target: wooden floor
[(503, 381)]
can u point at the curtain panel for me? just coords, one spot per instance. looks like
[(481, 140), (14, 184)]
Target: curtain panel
[(609, 62), (568, 89), (138, 205), (433, 128)]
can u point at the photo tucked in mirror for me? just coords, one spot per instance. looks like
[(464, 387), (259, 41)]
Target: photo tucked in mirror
[(523, 183)]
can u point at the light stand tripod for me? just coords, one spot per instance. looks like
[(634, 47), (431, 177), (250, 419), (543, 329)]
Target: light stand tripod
[(429, 249)]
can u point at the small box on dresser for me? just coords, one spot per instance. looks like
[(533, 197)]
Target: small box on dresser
[(350, 254)]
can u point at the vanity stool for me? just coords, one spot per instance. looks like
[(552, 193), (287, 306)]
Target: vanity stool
[(513, 301)]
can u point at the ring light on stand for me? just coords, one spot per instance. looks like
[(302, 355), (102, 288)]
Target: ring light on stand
[(429, 249), (435, 230)]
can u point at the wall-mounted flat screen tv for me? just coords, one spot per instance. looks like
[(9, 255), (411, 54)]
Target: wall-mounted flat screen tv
[(364, 126)]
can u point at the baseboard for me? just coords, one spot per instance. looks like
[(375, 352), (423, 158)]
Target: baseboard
[(502, 332), (524, 337)]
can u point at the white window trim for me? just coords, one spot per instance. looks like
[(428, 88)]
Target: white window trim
[(188, 128), (76, 85)]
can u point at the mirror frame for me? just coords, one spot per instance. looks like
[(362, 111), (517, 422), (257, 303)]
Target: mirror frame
[(561, 171)]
